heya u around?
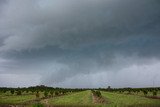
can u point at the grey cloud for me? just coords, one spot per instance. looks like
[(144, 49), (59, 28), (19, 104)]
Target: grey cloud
[(84, 22), (61, 40)]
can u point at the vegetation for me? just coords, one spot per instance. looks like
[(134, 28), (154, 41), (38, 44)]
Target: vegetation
[(51, 93), (96, 93), (41, 96), (154, 93), (38, 105), (19, 92), (12, 91), (124, 100), (37, 95), (79, 98), (145, 92), (45, 94)]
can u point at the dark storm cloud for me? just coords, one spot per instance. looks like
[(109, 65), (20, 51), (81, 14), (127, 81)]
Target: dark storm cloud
[(85, 22), (61, 40)]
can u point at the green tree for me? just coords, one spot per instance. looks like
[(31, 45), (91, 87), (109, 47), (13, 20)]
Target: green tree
[(154, 93), (12, 91), (19, 92), (56, 93), (37, 94), (45, 94), (51, 93), (145, 92)]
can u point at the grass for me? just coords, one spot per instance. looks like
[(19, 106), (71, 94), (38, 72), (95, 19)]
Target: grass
[(80, 98), (37, 105), (123, 100), (14, 99), (83, 98), (142, 94)]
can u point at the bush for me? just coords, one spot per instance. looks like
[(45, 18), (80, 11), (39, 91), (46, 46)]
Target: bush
[(32, 91), (97, 93), (45, 94), (51, 93), (129, 91), (154, 93), (4, 91), (145, 92), (37, 94), (19, 92), (12, 91), (56, 93)]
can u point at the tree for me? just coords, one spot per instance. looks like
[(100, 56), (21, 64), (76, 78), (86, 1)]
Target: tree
[(4, 91), (98, 93), (145, 92), (51, 93), (56, 93), (37, 94), (46, 94), (19, 92), (12, 91), (154, 93)]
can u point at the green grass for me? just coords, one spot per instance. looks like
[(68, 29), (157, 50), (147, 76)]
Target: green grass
[(141, 93), (123, 100), (37, 105), (16, 99), (80, 98), (83, 98)]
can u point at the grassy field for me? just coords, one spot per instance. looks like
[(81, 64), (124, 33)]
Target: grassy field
[(83, 98), (141, 93), (80, 98), (123, 100), (15, 99)]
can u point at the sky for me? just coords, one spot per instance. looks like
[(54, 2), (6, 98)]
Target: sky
[(80, 43)]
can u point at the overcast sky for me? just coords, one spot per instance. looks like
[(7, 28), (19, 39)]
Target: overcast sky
[(80, 43)]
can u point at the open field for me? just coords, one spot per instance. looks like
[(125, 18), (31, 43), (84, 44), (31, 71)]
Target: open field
[(16, 99), (74, 97), (122, 100), (80, 98)]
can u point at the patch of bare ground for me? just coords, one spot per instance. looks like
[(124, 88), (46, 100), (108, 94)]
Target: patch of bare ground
[(98, 100), (153, 97), (46, 104)]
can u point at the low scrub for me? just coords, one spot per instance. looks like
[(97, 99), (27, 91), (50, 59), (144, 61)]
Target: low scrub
[(96, 93)]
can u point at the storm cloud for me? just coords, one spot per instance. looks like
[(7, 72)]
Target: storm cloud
[(86, 43)]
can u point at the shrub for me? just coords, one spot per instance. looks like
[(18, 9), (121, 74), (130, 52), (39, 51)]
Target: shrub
[(4, 91), (37, 94), (145, 92), (12, 91), (45, 94), (32, 91), (154, 93), (51, 93), (129, 91), (56, 93), (19, 92), (97, 93)]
